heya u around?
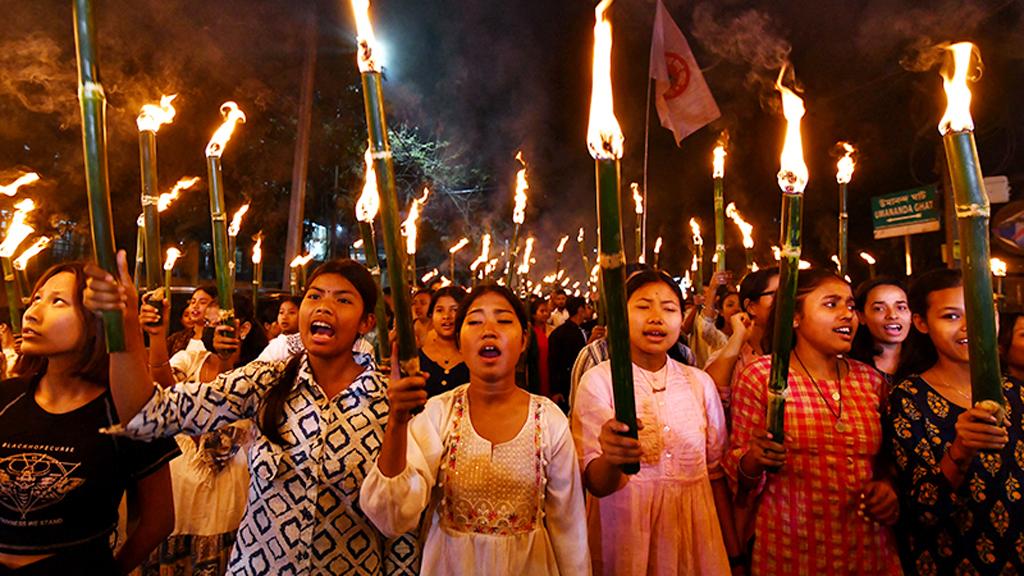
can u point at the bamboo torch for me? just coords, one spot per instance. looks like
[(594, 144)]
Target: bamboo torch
[(999, 271), (657, 253), (21, 263), (257, 269), (163, 202), (844, 173), (972, 211), (746, 229), (604, 140), (718, 165), (870, 260), (172, 257), (93, 103), (451, 256), (518, 217), (638, 209), (698, 256), (149, 121), (792, 180), (17, 231), (481, 261), (524, 268), (583, 250), (233, 229), (558, 255), (23, 180), (409, 231), (214, 150), (376, 124), (366, 210)]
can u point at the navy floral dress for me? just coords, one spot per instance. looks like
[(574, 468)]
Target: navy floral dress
[(973, 529)]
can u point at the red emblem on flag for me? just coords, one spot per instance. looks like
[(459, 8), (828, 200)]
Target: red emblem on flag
[(679, 75)]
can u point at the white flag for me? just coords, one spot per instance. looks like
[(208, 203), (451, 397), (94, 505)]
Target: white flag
[(682, 97)]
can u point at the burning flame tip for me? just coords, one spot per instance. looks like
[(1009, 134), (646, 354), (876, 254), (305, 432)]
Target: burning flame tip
[(21, 262), (956, 74), (793, 171), (172, 257), (232, 117), (23, 180), (153, 116), (604, 135)]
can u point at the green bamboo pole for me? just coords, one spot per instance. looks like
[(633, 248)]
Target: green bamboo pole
[(698, 274), (257, 271), (844, 221), (785, 306), (140, 255), (972, 213), (376, 124), (510, 278), (719, 224), (14, 303), (218, 218), (383, 347), (150, 215), (94, 145)]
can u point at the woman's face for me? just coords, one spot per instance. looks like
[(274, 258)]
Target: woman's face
[(53, 323), (945, 323), (443, 318), (1015, 355), (655, 318), (197, 305), (288, 317), (886, 314), (491, 339), (730, 305), (420, 303), (331, 316), (541, 315), (760, 306), (827, 320)]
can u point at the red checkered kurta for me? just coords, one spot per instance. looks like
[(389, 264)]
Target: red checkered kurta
[(807, 520)]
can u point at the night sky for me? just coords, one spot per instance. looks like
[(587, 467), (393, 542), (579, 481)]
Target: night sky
[(495, 77)]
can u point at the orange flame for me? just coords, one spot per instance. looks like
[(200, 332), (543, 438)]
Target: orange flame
[(638, 198), (367, 40), (519, 212), (153, 116), (358, 244), (23, 180), (236, 220), (458, 246), (172, 257), (604, 136), (868, 258), (561, 244), (998, 267), (745, 227), (17, 230), (21, 262), (718, 162), (793, 172), (165, 200), (844, 168), (369, 200), (428, 276), (485, 253), (657, 245), (301, 260), (257, 249), (957, 117), (579, 237), (695, 230), (524, 268), (409, 226), (232, 117), (776, 253)]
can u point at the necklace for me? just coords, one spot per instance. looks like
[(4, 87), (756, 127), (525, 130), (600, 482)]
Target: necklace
[(652, 378), (837, 396), (957, 391)]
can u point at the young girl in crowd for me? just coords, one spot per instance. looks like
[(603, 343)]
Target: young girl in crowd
[(663, 520), (884, 318), (61, 480), (826, 508), (493, 465), (959, 470), (288, 315), (537, 379), (319, 419), (193, 320), (440, 358)]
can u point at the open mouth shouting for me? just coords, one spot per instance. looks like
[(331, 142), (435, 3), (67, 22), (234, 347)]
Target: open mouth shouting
[(489, 352), (846, 332), (893, 329), (321, 331)]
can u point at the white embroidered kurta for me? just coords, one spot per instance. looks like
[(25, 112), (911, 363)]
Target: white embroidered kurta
[(509, 509), (664, 520), (302, 514)]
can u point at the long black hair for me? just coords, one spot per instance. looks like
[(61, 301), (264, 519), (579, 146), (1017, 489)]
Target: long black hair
[(807, 281), (491, 288), (918, 353), (271, 412), (754, 285), (864, 346)]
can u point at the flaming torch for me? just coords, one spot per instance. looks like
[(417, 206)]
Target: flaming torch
[(409, 230), (844, 173), (558, 257), (163, 203), (297, 278), (638, 208), (485, 254), (972, 212), (746, 229), (792, 179), (698, 256), (17, 232), (518, 217), (999, 271), (524, 268), (583, 250), (257, 268), (366, 210), (718, 165), (149, 121), (93, 102), (604, 140), (870, 260), (23, 180), (657, 253), (172, 257), (225, 280), (376, 125), (21, 262), (233, 229), (451, 255)]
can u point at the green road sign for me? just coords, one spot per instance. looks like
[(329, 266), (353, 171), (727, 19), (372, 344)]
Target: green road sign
[(908, 212)]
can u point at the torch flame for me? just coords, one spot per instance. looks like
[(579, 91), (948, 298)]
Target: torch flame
[(718, 163), (579, 237), (358, 244), (657, 245), (793, 171), (23, 180), (301, 260), (257, 249), (172, 256), (844, 168), (17, 230), (165, 200), (561, 244), (40, 244), (232, 117), (524, 268), (804, 265), (776, 253), (409, 226), (745, 227), (693, 263), (236, 220), (485, 253), (365, 37), (836, 261), (957, 117), (868, 258), (152, 116), (459, 246), (369, 200), (638, 198), (604, 136), (428, 276), (519, 212), (695, 230), (998, 267)]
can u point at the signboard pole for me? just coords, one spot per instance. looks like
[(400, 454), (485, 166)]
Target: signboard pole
[(910, 259)]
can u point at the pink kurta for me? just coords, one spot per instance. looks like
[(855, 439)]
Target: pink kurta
[(664, 520)]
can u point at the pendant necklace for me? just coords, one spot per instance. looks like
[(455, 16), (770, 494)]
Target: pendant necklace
[(837, 396)]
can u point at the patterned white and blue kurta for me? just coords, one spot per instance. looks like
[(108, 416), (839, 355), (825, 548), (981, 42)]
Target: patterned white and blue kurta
[(302, 515)]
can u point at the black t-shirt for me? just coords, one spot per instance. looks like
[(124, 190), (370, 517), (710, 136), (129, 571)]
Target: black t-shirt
[(61, 480)]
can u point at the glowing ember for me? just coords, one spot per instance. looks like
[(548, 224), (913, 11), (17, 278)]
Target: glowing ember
[(657, 245), (844, 168), (301, 260), (561, 244), (412, 220), (165, 200), (172, 256), (868, 258), (152, 116), (257, 249), (485, 253), (369, 200), (232, 117), (793, 172), (21, 262), (746, 229), (17, 230), (695, 230), (23, 180), (519, 212), (604, 136), (718, 163), (524, 268), (368, 46), (236, 220), (459, 246), (957, 117), (638, 198), (998, 267)]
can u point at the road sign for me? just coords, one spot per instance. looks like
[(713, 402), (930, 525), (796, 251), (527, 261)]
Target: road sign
[(908, 212)]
